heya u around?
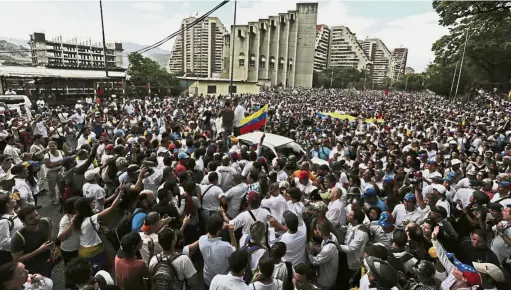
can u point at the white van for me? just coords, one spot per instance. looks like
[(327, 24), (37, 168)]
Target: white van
[(14, 102)]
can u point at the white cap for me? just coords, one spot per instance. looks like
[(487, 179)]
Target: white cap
[(455, 162), (90, 174), (440, 188), (491, 270)]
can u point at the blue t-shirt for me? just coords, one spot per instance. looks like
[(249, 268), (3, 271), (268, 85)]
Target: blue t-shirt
[(138, 221), (321, 153), (380, 204)]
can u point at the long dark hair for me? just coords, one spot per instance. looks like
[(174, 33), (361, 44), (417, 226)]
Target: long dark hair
[(7, 273), (83, 210)]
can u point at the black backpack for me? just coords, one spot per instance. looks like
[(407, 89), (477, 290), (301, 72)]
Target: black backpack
[(164, 276), (10, 221), (124, 227), (338, 278), (250, 250)]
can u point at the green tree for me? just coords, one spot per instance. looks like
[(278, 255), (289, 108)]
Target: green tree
[(143, 70), (485, 28), (339, 78), (410, 82)]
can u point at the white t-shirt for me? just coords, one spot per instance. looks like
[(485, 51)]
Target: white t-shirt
[(245, 220), (295, 246), (211, 197), (276, 204), (88, 236), (183, 265), (275, 285), (97, 193), (255, 256), (144, 251), (72, 243)]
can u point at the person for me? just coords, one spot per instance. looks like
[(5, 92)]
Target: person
[(144, 204), (130, 273), (239, 114), (53, 161), (227, 115), (186, 272), (149, 234), (67, 238), (14, 276), (77, 274), (21, 186), (254, 213), (382, 276), (32, 245), (10, 224), (211, 197), (303, 276), (326, 257), (11, 150), (238, 261), (215, 251), (92, 190), (263, 279), (500, 245), (255, 245), (282, 270)]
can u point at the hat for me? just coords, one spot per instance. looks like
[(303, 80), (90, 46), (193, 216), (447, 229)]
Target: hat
[(90, 174), (409, 197), (133, 169), (384, 273), (370, 192), (121, 162), (284, 184), (302, 175), (389, 181), (494, 206), (319, 206), (384, 222), (109, 147), (432, 163), (162, 150), (253, 197), (474, 183), (182, 155), (505, 184), (490, 269), (152, 218), (440, 188), (455, 162), (103, 275), (290, 217)]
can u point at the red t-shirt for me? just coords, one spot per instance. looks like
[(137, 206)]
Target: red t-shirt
[(130, 273)]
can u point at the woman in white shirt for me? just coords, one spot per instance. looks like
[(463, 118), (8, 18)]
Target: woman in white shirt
[(69, 239), (263, 279), (9, 224), (53, 161), (87, 225)]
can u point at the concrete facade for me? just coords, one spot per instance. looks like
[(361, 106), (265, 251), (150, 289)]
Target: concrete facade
[(73, 53), (278, 51), (321, 48), (215, 86), (345, 50), (399, 56), (198, 50), (381, 59)]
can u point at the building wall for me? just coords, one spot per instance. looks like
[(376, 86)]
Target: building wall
[(222, 87), (399, 56), (345, 50), (281, 49), (322, 46), (381, 58), (198, 50), (74, 53)]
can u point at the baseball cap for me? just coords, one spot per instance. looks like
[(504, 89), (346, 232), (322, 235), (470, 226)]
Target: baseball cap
[(182, 155), (440, 188), (133, 169), (109, 147), (303, 175), (409, 197), (388, 181), (90, 174), (369, 192), (253, 197), (384, 222), (505, 184), (474, 183), (455, 162), (490, 269), (494, 206)]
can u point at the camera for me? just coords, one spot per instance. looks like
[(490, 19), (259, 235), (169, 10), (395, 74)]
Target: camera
[(415, 177)]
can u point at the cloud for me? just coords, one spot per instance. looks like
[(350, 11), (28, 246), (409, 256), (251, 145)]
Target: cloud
[(148, 6)]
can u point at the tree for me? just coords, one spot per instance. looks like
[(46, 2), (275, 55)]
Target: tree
[(339, 78), (483, 30), (410, 82), (143, 70)]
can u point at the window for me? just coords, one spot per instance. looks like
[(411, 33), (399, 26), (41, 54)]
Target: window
[(290, 64), (252, 61), (262, 62), (211, 89), (241, 60), (281, 64), (234, 89), (272, 62)]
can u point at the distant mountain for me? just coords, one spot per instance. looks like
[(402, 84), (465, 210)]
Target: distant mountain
[(161, 56), (18, 55)]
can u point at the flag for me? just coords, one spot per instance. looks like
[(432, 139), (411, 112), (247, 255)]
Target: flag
[(254, 121)]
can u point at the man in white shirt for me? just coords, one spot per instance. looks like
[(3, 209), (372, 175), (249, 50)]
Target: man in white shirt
[(20, 185), (326, 257), (239, 114), (276, 203), (227, 172), (234, 280), (336, 208), (91, 189), (254, 213), (295, 239), (10, 92), (235, 196), (12, 151), (407, 212), (212, 197)]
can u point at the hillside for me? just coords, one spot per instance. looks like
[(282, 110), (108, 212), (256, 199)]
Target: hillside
[(13, 54)]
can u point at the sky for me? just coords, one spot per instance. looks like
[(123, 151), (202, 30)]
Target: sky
[(412, 24)]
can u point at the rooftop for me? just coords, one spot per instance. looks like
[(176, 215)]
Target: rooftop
[(15, 71)]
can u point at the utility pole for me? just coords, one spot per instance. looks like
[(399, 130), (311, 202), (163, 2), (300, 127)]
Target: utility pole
[(103, 31), (233, 35), (461, 65), (406, 83), (453, 79), (332, 77)]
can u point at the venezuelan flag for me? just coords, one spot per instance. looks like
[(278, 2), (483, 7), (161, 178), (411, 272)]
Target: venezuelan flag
[(254, 121)]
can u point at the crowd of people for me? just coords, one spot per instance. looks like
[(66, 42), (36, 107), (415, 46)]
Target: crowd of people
[(412, 192)]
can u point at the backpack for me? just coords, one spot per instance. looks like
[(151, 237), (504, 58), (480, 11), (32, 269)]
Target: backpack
[(340, 271), (250, 250), (124, 227), (10, 221), (65, 182), (164, 276)]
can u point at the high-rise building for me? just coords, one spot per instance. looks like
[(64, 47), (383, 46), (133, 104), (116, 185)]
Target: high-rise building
[(278, 51), (345, 51), (381, 59), (322, 46), (198, 50), (399, 57), (73, 53)]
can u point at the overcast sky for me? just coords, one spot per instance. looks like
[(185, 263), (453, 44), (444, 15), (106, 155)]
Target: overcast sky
[(411, 24)]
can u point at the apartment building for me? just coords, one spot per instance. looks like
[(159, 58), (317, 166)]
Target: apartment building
[(321, 48), (345, 51), (198, 50), (73, 53), (381, 59), (399, 56), (276, 51)]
